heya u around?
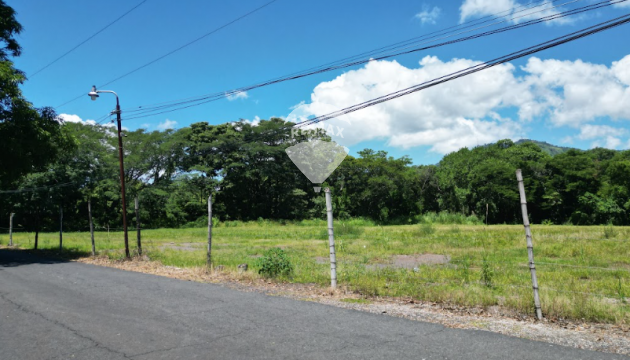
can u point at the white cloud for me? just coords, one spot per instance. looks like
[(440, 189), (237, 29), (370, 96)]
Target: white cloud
[(238, 95), (511, 9), (167, 125), (75, 119), (465, 112), (622, 5), (428, 16), (609, 142), (446, 117), (607, 136), (254, 122), (576, 92), (588, 132)]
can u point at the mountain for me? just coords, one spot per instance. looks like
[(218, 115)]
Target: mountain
[(546, 147)]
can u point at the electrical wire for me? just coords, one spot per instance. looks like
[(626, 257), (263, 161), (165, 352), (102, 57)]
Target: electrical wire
[(86, 40), (157, 110), (384, 48), (175, 50), (606, 25)]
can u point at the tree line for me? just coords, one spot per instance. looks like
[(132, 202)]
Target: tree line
[(246, 170), (47, 165)]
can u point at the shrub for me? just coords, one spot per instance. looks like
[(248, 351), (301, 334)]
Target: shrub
[(273, 263)]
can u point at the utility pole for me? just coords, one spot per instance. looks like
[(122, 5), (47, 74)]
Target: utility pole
[(122, 178), (94, 95)]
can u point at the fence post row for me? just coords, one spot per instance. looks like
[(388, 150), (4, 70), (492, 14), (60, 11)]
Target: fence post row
[(60, 227), (209, 253), (91, 226), (331, 240), (530, 245), (11, 229), (139, 236)]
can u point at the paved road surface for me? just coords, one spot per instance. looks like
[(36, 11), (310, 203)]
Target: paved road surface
[(60, 310)]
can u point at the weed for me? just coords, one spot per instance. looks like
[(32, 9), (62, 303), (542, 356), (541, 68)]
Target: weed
[(425, 230), (274, 263), (487, 273), (610, 231)]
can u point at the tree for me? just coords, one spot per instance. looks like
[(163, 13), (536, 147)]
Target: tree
[(31, 138)]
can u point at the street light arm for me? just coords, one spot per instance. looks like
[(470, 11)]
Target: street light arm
[(108, 91)]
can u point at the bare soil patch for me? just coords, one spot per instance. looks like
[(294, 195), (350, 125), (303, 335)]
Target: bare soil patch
[(413, 261), (182, 246)]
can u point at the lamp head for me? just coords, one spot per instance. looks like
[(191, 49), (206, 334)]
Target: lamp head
[(93, 94)]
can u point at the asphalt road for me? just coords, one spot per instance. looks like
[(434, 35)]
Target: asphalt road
[(61, 310)]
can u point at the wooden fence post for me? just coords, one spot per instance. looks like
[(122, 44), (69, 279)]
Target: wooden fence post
[(60, 227), (530, 245), (11, 229), (91, 226), (138, 225), (331, 240), (209, 254)]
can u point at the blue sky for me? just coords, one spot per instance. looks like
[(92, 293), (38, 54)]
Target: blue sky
[(542, 98)]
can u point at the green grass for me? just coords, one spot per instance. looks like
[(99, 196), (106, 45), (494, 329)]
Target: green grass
[(583, 272)]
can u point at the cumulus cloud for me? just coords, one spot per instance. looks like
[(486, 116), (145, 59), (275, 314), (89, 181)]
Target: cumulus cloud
[(238, 95), (577, 92), (167, 125), (466, 112), (75, 119), (511, 9), (607, 136), (428, 16), (253, 122), (423, 118)]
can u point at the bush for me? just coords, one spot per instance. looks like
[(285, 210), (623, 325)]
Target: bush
[(273, 263)]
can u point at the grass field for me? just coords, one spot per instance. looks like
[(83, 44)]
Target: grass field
[(583, 272)]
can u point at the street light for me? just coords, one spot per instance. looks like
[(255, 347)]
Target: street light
[(94, 95)]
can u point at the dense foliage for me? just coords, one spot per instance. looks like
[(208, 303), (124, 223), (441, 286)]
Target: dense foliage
[(250, 176), (31, 138)]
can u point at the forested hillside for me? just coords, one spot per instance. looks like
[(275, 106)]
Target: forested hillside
[(250, 176)]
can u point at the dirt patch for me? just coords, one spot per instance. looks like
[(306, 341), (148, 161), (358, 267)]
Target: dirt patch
[(182, 246), (413, 261)]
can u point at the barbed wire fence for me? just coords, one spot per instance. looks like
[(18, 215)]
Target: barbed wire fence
[(584, 279)]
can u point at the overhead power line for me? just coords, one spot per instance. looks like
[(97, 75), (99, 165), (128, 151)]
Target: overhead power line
[(603, 26), (430, 37), (170, 107), (86, 40), (175, 50)]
